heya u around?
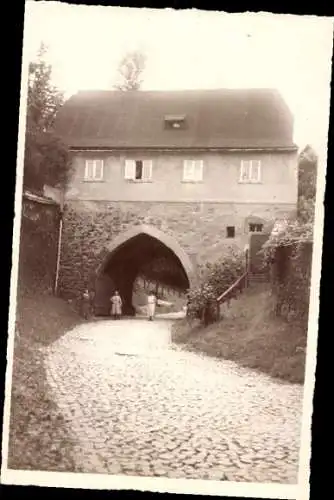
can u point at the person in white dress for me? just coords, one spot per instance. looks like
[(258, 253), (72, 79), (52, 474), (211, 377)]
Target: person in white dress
[(116, 305), (151, 304)]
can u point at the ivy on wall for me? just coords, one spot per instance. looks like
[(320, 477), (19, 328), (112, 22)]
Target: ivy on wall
[(38, 246), (289, 251), (290, 245)]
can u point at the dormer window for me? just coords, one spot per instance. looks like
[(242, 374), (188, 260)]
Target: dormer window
[(175, 122)]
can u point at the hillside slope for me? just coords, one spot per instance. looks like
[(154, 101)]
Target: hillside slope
[(252, 336), (38, 437)]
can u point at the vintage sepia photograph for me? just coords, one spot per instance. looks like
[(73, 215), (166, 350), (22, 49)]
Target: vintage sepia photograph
[(167, 248)]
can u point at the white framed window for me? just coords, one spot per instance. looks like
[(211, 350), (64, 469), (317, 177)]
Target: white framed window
[(250, 171), (138, 170), (94, 170), (192, 170)]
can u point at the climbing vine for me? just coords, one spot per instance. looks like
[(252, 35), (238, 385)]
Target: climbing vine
[(38, 245), (289, 250)]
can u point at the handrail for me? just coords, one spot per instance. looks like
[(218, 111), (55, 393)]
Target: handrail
[(234, 286)]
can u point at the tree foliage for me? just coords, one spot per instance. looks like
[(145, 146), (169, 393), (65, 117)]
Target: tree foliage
[(214, 279), (299, 230), (307, 178), (292, 232), (163, 270), (46, 157), (289, 247), (130, 71)]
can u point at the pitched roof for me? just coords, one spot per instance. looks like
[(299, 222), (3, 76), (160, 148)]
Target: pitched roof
[(227, 118)]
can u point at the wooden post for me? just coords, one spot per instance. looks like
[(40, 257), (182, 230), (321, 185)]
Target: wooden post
[(60, 233), (246, 267), (218, 311)]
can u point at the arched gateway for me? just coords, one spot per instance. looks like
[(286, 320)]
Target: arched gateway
[(139, 250)]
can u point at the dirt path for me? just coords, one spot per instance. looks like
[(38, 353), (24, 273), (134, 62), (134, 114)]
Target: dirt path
[(135, 404)]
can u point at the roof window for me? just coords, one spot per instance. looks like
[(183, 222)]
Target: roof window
[(175, 122)]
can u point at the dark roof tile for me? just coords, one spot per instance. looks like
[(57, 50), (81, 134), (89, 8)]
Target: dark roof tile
[(228, 118)]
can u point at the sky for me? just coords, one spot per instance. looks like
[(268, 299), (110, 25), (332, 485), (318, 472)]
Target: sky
[(191, 49)]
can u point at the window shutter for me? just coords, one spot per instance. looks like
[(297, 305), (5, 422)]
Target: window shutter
[(245, 170), (256, 170), (89, 169), (130, 169), (147, 170), (198, 170), (188, 170), (242, 169), (98, 174)]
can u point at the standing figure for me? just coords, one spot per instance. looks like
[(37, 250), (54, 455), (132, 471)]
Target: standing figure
[(151, 303), (116, 305), (86, 304)]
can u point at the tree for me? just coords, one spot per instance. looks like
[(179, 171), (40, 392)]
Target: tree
[(46, 157), (130, 70), (307, 178)]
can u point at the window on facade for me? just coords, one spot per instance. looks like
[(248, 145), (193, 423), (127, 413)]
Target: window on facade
[(138, 170), (193, 170), (94, 170), (230, 231), (250, 171), (255, 228)]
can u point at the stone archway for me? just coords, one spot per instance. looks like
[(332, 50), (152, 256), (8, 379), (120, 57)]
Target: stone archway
[(128, 253)]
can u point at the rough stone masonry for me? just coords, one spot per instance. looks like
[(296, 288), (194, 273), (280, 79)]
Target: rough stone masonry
[(199, 229)]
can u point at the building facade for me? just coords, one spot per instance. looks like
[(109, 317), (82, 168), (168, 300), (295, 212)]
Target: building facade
[(196, 170)]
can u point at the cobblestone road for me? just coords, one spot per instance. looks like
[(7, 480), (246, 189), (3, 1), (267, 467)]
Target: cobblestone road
[(137, 405)]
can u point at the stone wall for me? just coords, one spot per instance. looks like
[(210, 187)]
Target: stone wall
[(38, 245), (199, 228)]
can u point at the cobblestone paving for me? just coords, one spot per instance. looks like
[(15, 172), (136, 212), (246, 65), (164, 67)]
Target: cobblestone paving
[(137, 405)]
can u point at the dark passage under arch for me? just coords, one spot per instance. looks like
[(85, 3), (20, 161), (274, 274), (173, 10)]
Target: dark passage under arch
[(144, 255)]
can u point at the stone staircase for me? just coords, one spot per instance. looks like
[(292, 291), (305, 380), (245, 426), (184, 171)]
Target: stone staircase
[(256, 278)]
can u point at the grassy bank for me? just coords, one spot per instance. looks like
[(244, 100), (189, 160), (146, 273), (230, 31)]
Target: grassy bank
[(252, 336), (38, 435)]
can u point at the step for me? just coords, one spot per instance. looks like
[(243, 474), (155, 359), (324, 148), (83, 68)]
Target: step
[(258, 279)]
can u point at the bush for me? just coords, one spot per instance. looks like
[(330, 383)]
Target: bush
[(214, 279)]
